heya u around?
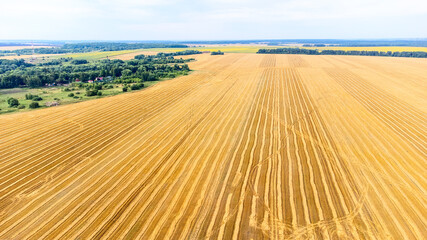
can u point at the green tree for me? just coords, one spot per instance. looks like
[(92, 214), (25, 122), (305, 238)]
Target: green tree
[(90, 93), (126, 73), (34, 105), (13, 102)]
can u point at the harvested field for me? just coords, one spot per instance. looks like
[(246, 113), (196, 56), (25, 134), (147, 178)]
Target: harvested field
[(129, 56), (11, 48), (31, 56), (246, 147)]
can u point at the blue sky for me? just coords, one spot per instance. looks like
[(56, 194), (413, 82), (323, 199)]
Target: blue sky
[(211, 19)]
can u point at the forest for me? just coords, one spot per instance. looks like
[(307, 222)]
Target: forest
[(18, 73)]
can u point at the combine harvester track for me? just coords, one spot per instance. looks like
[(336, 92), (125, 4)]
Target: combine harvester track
[(249, 146)]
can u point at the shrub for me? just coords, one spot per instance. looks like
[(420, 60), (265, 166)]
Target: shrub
[(171, 75), (99, 93), (67, 89), (131, 80), (21, 107), (56, 98), (217, 53), (37, 98), (97, 87), (125, 89), (76, 97), (79, 61), (29, 96), (137, 86), (78, 85), (90, 93), (71, 95), (77, 92), (34, 105), (13, 102)]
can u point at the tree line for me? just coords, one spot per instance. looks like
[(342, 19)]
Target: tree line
[(165, 55), (341, 52), (217, 52)]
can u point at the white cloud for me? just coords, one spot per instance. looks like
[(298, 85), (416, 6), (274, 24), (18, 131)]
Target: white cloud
[(79, 19), (255, 11)]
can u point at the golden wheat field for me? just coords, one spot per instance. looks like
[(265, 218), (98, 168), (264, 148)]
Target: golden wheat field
[(248, 146)]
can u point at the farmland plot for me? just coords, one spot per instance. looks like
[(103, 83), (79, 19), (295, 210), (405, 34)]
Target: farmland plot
[(247, 147)]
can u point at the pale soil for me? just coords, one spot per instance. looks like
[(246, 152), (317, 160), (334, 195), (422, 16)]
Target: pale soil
[(11, 48), (30, 56), (129, 56), (247, 147)]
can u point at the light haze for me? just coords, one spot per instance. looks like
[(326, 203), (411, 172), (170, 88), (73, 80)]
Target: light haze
[(211, 19)]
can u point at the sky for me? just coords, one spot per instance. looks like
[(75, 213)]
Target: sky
[(211, 19)]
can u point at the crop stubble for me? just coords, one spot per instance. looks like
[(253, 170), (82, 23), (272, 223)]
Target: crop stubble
[(248, 146)]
